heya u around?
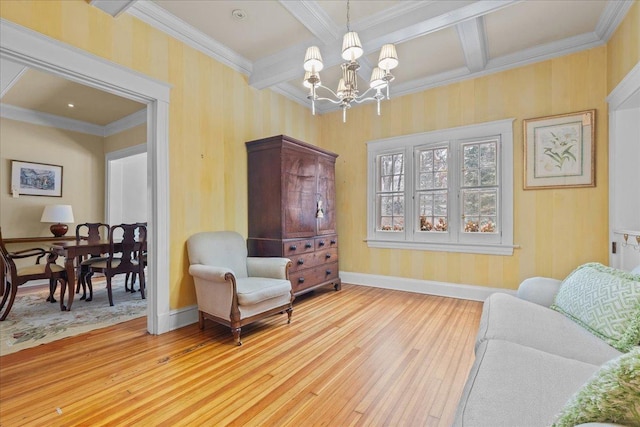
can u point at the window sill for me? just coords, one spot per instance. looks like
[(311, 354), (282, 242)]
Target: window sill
[(489, 249)]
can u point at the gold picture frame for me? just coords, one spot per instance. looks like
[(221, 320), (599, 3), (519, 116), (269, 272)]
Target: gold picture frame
[(559, 151)]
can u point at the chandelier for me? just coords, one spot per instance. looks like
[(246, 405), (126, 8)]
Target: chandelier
[(347, 92)]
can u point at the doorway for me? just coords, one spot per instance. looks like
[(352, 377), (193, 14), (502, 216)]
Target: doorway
[(32, 49)]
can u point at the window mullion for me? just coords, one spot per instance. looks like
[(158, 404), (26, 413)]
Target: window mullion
[(455, 211)]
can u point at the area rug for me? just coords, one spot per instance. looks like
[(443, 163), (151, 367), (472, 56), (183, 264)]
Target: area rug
[(33, 321)]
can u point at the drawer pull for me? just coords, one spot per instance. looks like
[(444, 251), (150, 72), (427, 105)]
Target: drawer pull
[(334, 241), (321, 243), (327, 256), (327, 272), (307, 245), (300, 261), (300, 279), (293, 247)]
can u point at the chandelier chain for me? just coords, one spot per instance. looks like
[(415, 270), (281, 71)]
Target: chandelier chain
[(348, 16)]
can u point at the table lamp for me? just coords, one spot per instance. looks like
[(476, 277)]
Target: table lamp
[(58, 214)]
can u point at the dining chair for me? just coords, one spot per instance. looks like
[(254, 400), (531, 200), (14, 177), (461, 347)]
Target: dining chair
[(15, 277), (133, 275), (123, 256), (91, 231)]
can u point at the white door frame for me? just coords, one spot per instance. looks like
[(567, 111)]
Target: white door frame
[(629, 87), (32, 49)]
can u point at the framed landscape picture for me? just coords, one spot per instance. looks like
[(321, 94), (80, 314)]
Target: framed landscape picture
[(559, 151), (36, 179)]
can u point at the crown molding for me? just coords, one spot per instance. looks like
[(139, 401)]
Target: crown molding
[(159, 18), (10, 73), (132, 120), (113, 7), (44, 119), (613, 14)]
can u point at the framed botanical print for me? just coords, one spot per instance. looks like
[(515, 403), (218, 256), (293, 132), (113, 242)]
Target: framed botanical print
[(559, 151)]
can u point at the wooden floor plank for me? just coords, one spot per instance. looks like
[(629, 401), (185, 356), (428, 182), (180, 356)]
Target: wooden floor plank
[(361, 356)]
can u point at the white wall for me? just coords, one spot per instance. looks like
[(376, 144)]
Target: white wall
[(128, 190)]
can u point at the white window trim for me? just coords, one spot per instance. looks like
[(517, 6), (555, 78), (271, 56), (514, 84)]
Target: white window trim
[(407, 144)]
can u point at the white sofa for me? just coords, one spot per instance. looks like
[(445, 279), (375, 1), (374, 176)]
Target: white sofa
[(530, 360)]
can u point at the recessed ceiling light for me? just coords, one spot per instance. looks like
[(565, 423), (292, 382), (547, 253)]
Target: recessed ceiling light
[(70, 105), (239, 14)]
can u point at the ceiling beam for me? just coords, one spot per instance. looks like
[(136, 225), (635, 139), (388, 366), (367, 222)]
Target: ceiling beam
[(314, 18), (474, 43)]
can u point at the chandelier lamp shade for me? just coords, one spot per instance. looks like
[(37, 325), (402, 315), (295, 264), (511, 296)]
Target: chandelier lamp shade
[(347, 92)]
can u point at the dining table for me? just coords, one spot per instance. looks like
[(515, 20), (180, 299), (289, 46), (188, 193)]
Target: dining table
[(71, 250)]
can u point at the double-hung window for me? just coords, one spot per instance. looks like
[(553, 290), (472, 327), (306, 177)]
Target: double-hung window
[(448, 190)]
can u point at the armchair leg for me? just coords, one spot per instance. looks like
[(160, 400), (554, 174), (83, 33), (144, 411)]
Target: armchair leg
[(200, 319), (236, 335), (289, 314)]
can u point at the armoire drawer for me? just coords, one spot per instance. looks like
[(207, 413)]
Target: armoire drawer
[(313, 259), (313, 276), (294, 247), (326, 242)]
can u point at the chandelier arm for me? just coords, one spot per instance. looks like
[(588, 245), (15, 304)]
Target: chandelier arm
[(330, 100), (326, 88), (361, 98)]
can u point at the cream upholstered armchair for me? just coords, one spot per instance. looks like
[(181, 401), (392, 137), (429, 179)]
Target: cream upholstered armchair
[(232, 288)]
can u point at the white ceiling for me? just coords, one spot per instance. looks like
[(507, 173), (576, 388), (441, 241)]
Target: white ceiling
[(438, 42)]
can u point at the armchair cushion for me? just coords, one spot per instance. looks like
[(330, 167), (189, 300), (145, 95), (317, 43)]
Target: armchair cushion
[(252, 290)]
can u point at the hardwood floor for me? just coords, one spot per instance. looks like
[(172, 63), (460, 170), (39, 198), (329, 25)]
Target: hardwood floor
[(361, 356)]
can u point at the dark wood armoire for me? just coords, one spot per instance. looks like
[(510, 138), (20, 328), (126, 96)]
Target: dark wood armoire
[(292, 209)]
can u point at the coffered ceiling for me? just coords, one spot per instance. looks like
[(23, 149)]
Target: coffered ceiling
[(438, 42)]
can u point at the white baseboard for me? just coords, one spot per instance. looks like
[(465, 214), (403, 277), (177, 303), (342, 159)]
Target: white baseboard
[(429, 287), (183, 317), (189, 315)]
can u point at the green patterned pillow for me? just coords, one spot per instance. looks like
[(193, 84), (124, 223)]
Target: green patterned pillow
[(612, 394), (604, 300)]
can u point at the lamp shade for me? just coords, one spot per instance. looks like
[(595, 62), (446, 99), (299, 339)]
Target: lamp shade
[(57, 213), (310, 79), (377, 79), (313, 60), (351, 46), (388, 57)]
